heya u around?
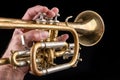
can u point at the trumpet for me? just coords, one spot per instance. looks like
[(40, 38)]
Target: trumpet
[(43, 57)]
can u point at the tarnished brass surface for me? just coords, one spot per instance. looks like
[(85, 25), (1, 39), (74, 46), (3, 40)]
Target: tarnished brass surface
[(87, 30)]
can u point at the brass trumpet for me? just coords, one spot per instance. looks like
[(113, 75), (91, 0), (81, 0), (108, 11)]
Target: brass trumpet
[(87, 30)]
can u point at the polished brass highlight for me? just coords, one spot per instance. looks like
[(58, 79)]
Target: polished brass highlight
[(87, 30)]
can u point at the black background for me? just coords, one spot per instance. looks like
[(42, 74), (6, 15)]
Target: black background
[(100, 61)]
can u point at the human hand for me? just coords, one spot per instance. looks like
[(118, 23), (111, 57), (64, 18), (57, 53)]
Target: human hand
[(30, 35)]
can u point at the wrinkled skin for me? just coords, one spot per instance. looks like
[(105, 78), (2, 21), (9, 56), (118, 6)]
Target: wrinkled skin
[(30, 35)]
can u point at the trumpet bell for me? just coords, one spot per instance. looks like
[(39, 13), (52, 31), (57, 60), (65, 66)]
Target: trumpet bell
[(87, 30), (90, 29)]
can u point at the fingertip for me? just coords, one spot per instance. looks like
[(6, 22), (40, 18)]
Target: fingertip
[(55, 10), (50, 14), (63, 37), (45, 9), (40, 35), (43, 35)]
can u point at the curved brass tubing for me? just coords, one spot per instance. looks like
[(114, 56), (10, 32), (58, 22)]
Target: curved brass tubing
[(14, 60), (4, 61), (33, 64), (87, 30)]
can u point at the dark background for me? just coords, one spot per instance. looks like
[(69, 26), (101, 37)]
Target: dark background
[(100, 61)]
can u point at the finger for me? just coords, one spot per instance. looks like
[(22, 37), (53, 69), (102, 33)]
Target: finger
[(33, 11), (55, 10), (63, 37), (35, 35), (52, 13)]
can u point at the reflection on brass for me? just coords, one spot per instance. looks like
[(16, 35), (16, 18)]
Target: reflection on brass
[(87, 30)]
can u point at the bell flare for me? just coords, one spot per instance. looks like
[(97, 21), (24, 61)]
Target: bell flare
[(90, 29)]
